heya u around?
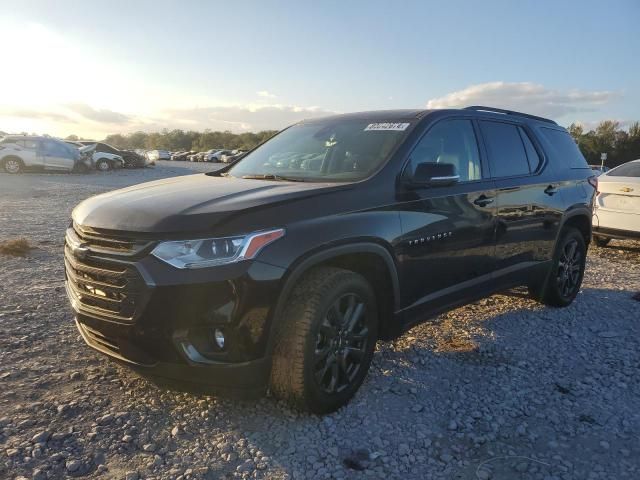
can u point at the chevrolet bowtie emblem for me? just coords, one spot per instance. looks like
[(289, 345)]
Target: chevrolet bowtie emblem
[(79, 250), (626, 189)]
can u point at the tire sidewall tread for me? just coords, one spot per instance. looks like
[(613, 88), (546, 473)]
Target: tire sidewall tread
[(292, 368)]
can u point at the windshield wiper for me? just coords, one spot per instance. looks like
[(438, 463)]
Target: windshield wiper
[(270, 176)]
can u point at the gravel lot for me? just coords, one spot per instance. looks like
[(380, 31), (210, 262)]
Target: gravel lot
[(502, 389)]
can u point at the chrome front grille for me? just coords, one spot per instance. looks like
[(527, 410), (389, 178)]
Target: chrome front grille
[(104, 241), (101, 287)]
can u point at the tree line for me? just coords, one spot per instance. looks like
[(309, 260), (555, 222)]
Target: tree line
[(608, 137), (180, 140)]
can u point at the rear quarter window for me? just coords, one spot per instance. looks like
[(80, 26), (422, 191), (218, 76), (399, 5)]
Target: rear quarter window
[(563, 149)]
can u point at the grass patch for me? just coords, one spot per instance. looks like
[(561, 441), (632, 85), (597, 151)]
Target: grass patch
[(456, 345), (17, 247)]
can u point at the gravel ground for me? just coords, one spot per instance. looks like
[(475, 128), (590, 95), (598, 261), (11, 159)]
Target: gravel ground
[(502, 388)]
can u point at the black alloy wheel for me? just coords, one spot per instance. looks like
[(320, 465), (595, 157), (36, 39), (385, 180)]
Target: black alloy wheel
[(341, 344), (325, 340), (564, 278), (569, 273)]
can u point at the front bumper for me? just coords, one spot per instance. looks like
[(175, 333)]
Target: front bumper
[(246, 379), (160, 320)]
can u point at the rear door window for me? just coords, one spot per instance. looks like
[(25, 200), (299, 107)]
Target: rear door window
[(564, 150), (507, 154)]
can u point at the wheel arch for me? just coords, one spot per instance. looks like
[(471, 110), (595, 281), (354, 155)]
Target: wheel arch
[(9, 156), (369, 259), (579, 218)]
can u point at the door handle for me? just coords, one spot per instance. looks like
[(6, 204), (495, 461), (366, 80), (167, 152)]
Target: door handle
[(551, 190), (483, 201)]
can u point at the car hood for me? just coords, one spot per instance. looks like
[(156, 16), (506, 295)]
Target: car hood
[(191, 203), (88, 148)]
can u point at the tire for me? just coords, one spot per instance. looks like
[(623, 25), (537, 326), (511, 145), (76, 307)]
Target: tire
[(567, 270), (601, 241), (13, 165), (103, 165), (318, 362)]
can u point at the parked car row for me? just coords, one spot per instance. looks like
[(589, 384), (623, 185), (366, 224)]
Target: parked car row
[(213, 155)]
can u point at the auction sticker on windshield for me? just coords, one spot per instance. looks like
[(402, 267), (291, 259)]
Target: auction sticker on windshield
[(398, 127)]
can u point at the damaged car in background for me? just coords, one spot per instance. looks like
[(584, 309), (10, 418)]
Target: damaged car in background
[(131, 159), (26, 152), (101, 161)]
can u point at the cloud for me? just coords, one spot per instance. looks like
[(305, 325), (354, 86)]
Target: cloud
[(265, 94), (34, 114), (525, 96), (98, 115), (241, 117)]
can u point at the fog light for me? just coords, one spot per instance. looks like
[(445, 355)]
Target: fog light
[(219, 337)]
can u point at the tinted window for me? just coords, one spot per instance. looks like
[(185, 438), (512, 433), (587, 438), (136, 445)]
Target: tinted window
[(341, 150), (532, 154), (507, 155), (631, 169), (450, 141), (564, 150)]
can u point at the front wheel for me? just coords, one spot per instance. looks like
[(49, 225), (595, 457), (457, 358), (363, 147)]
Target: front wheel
[(103, 165), (601, 241), (567, 270), (325, 341)]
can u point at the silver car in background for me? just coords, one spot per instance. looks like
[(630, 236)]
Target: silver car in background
[(20, 152)]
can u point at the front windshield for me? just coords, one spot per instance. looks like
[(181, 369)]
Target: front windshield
[(332, 151)]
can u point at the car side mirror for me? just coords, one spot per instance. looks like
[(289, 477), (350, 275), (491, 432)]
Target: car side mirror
[(429, 174)]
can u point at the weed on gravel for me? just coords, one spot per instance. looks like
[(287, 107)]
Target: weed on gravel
[(17, 247)]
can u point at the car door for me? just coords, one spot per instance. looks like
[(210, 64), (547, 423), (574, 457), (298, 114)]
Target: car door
[(529, 202), (57, 156), (448, 233)]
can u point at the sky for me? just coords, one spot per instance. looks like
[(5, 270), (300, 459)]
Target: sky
[(93, 68)]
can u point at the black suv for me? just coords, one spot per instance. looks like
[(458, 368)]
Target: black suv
[(282, 270)]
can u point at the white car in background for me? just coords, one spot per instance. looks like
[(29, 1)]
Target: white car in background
[(20, 152), (101, 161), (617, 205), (215, 155), (155, 155)]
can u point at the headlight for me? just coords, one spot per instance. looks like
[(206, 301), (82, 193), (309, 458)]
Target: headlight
[(214, 251)]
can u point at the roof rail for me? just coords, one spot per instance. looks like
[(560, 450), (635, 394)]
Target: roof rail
[(480, 108)]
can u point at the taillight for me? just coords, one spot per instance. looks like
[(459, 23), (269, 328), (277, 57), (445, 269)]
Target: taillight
[(593, 181)]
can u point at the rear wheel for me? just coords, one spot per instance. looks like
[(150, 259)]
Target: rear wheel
[(13, 165), (325, 340), (601, 241), (567, 270)]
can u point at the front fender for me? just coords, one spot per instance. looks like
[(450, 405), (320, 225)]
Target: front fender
[(317, 257)]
